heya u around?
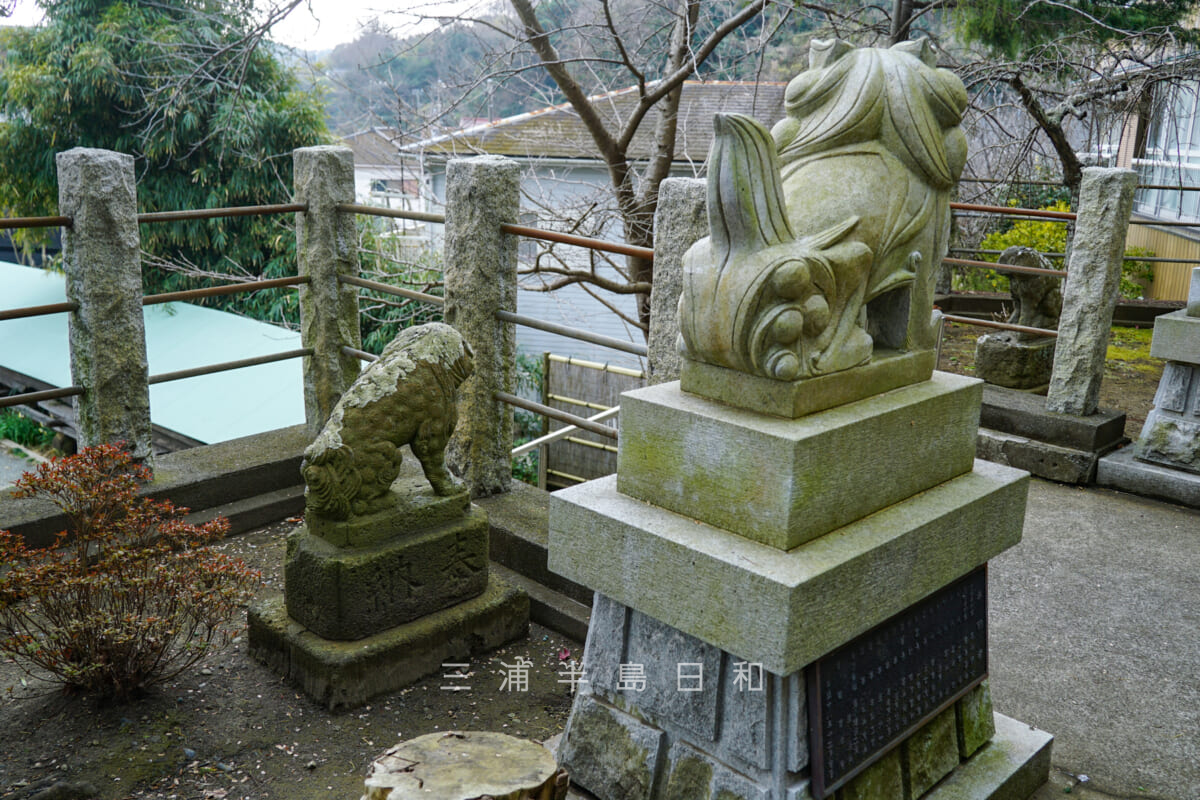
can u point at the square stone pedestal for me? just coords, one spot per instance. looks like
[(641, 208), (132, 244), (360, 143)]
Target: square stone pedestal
[(1016, 429), (377, 601), (345, 674)]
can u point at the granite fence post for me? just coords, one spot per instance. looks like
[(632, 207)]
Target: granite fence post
[(1090, 290), (97, 190), (681, 220), (326, 247), (481, 278)]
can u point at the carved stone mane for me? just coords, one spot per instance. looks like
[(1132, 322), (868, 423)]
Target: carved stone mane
[(844, 204)]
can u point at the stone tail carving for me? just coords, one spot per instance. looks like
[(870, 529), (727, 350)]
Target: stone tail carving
[(756, 297)]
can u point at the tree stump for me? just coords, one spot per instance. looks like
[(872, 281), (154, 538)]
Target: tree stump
[(466, 766)]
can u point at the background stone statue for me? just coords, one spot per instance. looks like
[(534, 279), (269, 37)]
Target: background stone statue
[(825, 233), (406, 397)]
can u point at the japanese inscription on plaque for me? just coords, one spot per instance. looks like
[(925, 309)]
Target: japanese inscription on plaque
[(872, 693)]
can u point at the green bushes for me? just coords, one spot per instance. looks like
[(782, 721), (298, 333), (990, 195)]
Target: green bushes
[(1047, 237), (128, 596)]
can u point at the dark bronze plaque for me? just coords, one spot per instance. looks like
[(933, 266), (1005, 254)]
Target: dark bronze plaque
[(870, 694)]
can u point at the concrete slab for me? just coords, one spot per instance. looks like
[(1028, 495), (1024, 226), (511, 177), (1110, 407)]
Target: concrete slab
[(1093, 637), (1121, 470)]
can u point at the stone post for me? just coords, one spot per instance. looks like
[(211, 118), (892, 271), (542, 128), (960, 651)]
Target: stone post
[(96, 188), (326, 246), (1090, 291), (681, 219), (481, 278)]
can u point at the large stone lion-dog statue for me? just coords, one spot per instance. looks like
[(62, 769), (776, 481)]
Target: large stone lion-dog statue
[(404, 398), (826, 230)]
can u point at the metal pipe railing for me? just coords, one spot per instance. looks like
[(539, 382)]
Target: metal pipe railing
[(218, 213), (966, 262), (574, 333), (13, 223), (38, 311), (582, 241), (388, 289), (561, 433), (553, 413), (225, 366), (1065, 216), (362, 355), (1149, 259), (987, 323), (393, 213), (37, 397), (232, 288)]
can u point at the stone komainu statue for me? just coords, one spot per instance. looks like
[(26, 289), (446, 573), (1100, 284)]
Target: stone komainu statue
[(406, 397), (843, 205)]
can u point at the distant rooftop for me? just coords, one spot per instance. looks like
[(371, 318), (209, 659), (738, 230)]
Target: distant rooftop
[(209, 408), (558, 132)]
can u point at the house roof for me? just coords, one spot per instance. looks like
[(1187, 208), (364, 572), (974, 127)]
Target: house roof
[(377, 146), (558, 132)]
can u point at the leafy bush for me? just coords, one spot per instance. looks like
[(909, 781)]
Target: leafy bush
[(1047, 237), (127, 597), (24, 431), (528, 425)]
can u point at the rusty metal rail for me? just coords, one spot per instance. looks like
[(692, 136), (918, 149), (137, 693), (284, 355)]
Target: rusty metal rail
[(225, 366), (13, 223), (1065, 216), (583, 241), (966, 262), (393, 213), (987, 323), (38, 311), (232, 288), (574, 333), (388, 289), (359, 354), (37, 397), (217, 213), (553, 413)]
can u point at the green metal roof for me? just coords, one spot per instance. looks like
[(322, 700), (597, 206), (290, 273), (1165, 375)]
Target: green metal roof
[(210, 408)]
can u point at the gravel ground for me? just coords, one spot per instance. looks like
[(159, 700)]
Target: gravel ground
[(233, 729)]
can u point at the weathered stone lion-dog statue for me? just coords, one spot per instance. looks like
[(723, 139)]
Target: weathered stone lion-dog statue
[(404, 398)]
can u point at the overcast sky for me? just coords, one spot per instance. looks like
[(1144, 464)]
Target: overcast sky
[(319, 25)]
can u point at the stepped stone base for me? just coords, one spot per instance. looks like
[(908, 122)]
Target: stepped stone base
[(1123, 471), (340, 674), (1016, 429), (697, 723), (801, 478), (783, 609)]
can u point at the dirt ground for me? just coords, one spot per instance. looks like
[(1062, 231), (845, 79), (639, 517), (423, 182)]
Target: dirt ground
[(232, 729), (1130, 374)]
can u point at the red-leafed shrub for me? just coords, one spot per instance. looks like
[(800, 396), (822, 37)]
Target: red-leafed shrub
[(128, 596)]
